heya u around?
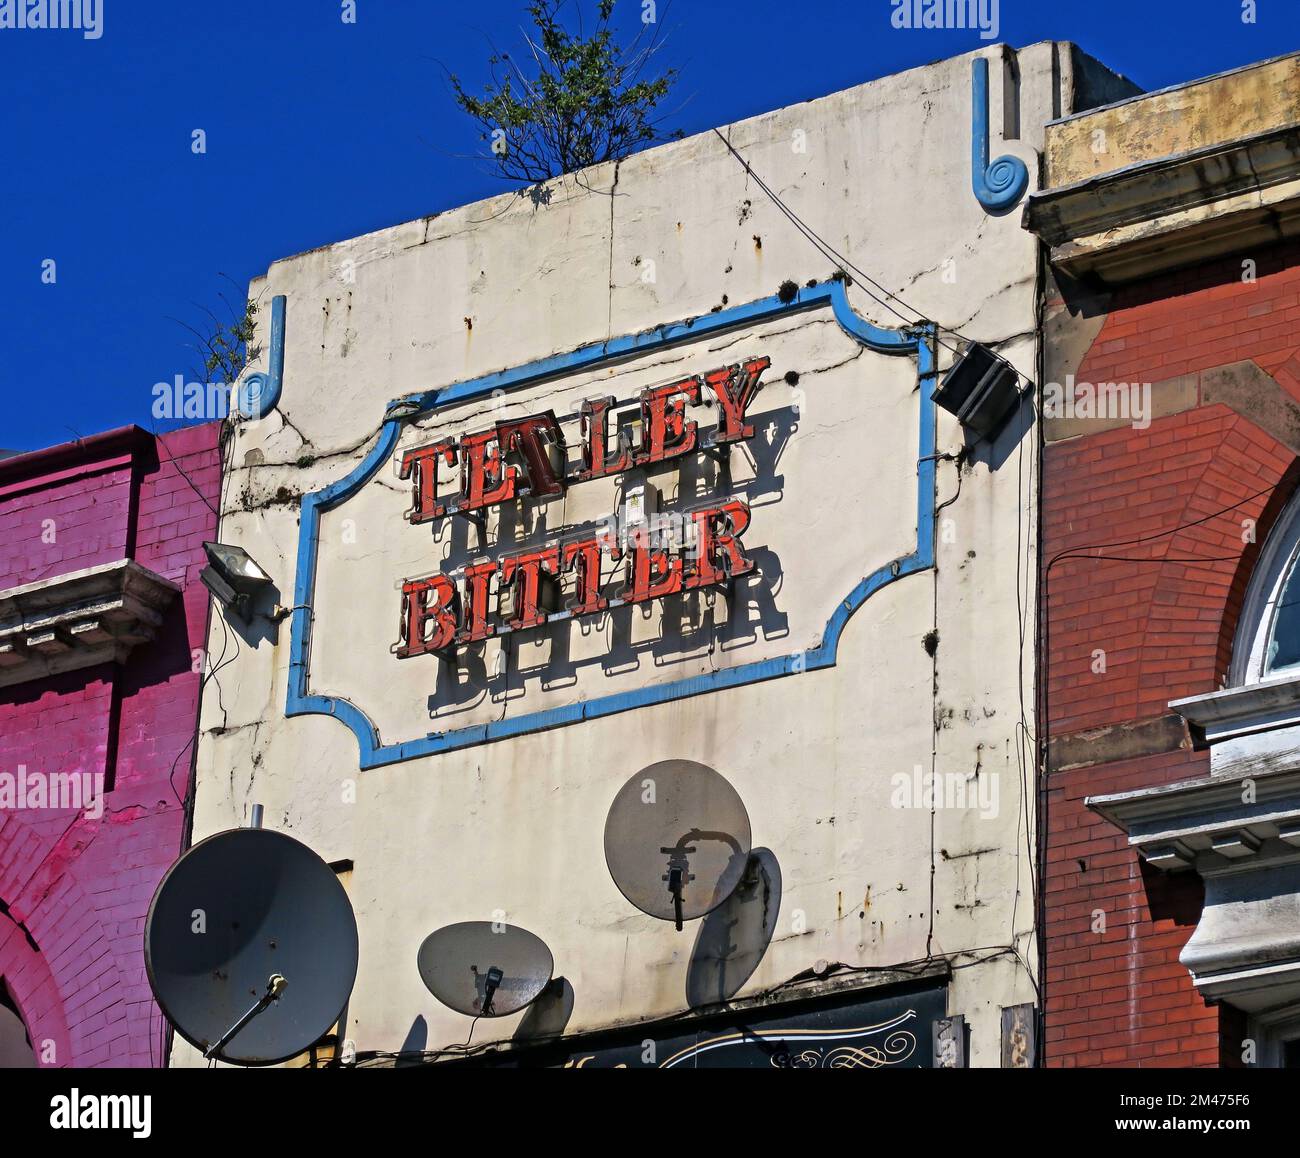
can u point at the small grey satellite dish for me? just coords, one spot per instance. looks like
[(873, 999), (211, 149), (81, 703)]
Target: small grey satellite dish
[(485, 968), (677, 840), (251, 947)]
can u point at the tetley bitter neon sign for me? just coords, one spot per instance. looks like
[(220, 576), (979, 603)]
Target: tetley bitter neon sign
[(526, 458)]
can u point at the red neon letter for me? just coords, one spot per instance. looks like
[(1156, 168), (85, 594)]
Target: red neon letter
[(666, 432), (487, 479), (735, 389), (421, 466), (595, 442), (423, 601), (476, 626), (583, 557), (651, 573), (719, 554), (526, 436), (525, 571)]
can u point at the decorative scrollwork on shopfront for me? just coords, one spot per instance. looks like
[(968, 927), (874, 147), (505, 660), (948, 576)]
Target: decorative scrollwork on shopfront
[(898, 1047), (805, 1049)]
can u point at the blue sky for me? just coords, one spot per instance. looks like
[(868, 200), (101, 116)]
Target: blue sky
[(319, 130)]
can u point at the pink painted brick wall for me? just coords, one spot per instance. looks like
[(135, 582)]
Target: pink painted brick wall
[(87, 518), (81, 887)]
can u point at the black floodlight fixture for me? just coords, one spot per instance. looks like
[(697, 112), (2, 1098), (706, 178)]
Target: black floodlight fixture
[(981, 389), (233, 577)]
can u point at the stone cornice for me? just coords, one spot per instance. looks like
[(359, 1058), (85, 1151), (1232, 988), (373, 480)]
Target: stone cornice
[(80, 619), (1241, 834), (1240, 711), (34, 469), (1213, 823), (1160, 214)]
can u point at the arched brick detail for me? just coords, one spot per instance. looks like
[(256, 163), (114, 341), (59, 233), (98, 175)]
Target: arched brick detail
[(1160, 622), (70, 987), (26, 974), (1246, 462)]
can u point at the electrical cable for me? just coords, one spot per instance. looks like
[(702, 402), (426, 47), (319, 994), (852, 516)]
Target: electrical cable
[(846, 266), (818, 243), (1080, 552)]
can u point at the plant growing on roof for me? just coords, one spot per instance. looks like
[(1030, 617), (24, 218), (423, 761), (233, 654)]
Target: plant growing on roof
[(230, 347), (579, 100), (226, 347)]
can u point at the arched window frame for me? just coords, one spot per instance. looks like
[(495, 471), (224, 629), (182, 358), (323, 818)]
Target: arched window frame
[(1278, 560)]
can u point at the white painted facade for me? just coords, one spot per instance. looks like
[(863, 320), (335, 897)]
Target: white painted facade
[(514, 826)]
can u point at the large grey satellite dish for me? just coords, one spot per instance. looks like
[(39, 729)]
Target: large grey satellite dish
[(485, 968), (676, 840), (251, 946)]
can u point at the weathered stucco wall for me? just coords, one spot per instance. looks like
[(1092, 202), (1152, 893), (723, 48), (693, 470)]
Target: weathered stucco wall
[(883, 173)]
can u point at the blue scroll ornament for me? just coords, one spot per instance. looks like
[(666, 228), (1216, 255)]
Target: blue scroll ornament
[(259, 393), (997, 186)]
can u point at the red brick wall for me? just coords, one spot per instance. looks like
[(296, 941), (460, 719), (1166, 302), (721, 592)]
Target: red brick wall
[(81, 887), (1164, 620)]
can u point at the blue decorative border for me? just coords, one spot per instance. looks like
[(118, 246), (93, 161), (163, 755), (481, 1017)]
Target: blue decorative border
[(259, 393), (918, 340), (1000, 185)]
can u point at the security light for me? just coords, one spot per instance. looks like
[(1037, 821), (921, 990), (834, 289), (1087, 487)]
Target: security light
[(233, 577), (981, 389)]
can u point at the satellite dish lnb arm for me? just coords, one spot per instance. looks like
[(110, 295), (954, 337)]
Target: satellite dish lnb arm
[(679, 874), (704, 834), (274, 987)]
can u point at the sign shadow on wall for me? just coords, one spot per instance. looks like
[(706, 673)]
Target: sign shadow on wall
[(691, 624)]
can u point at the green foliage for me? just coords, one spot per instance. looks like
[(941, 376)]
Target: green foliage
[(228, 348), (225, 347), (582, 101)]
